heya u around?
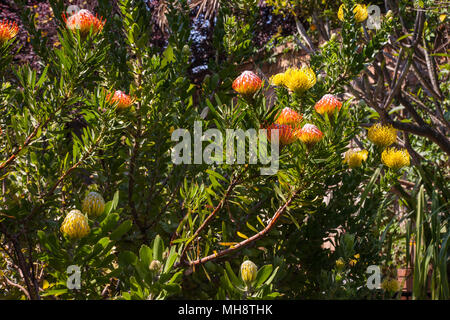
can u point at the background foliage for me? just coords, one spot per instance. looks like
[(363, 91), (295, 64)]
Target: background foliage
[(60, 139)]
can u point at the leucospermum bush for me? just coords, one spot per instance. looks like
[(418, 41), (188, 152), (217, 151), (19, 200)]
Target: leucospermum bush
[(88, 176)]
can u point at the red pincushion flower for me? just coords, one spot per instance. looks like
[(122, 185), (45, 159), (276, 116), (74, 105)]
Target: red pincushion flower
[(286, 135), (8, 30), (247, 83), (84, 20), (327, 104), (122, 99), (290, 117), (309, 134)]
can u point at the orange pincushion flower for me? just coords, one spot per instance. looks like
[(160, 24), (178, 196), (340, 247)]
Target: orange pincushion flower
[(286, 135), (327, 104), (8, 30), (309, 134), (290, 117), (122, 99), (247, 83), (84, 20)]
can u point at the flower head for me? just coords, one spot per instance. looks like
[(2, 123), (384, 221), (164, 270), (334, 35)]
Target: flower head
[(286, 134), (327, 104), (122, 99), (8, 30), (247, 83), (155, 265), (354, 157), (299, 80), (382, 136), (75, 225), (360, 11), (395, 158), (248, 271), (94, 204), (390, 285), (309, 134), (84, 20), (277, 79), (290, 117), (340, 264)]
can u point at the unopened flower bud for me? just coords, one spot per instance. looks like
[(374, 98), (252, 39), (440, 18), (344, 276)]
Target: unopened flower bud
[(333, 37), (155, 265), (75, 225), (186, 50), (248, 272), (94, 204), (389, 14)]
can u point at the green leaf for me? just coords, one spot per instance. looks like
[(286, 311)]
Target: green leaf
[(121, 230), (170, 260), (54, 292), (145, 254), (128, 257), (232, 276), (109, 222), (158, 248), (263, 274)]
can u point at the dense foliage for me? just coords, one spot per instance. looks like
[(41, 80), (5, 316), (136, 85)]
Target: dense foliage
[(363, 172)]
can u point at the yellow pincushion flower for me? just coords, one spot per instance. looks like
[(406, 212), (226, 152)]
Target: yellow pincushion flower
[(75, 225), (340, 264), (390, 285), (277, 79), (94, 204), (395, 158), (299, 80), (248, 271), (382, 136), (354, 157), (360, 11)]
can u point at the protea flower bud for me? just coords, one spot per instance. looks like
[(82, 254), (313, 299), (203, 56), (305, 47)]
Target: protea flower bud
[(122, 99), (286, 134), (309, 135), (155, 265), (94, 204), (83, 21), (289, 117), (8, 30), (247, 83), (327, 104), (389, 14), (248, 272), (75, 225), (333, 37), (390, 285), (340, 264)]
